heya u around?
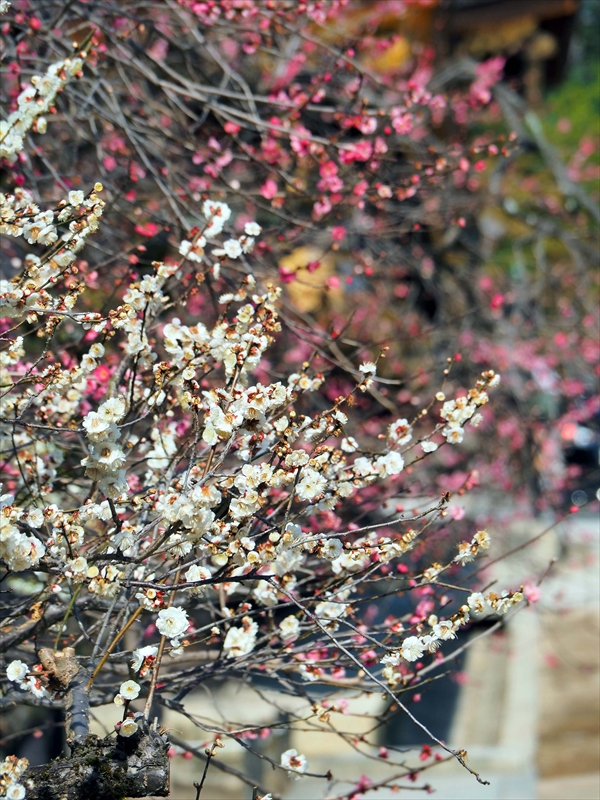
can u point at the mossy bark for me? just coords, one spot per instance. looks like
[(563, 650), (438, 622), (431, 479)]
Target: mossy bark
[(112, 768)]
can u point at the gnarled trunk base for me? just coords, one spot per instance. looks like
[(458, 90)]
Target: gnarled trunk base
[(106, 769)]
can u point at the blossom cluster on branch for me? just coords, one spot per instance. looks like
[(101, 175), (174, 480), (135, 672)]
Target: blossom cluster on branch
[(190, 492)]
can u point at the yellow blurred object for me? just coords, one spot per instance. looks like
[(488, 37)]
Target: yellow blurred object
[(542, 46), (414, 23), (507, 36), (308, 291), (393, 58)]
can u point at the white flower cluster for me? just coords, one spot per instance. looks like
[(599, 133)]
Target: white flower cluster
[(370, 548), (105, 460), (33, 102), (227, 414), (18, 672), (256, 471), (197, 573), (142, 301), (369, 370), (498, 603), (57, 397), (332, 609), (11, 772), (143, 659), (9, 360), (464, 409), (105, 582), (20, 550), (468, 550), (240, 641), (217, 214), (151, 599), (414, 647), (20, 216), (213, 474)]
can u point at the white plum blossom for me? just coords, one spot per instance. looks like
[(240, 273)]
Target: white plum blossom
[(34, 517), (391, 659), (141, 654), (11, 771), (34, 685), (172, 622), (194, 251), (412, 648), (294, 762), (444, 630), (298, 458), (351, 560), (461, 410), (349, 444), (289, 628), (16, 671), (390, 464), (428, 446), (482, 539), (476, 602), (265, 593), (232, 248), (400, 431), (217, 215), (34, 101), (311, 485), (328, 612), (369, 370), (454, 433), (430, 642), (311, 671), (128, 728), (130, 690), (98, 426), (112, 409), (466, 553), (240, 641), (331, 549), (252, 229), (364, 467), (19, 550), (197, 573), (75, 197)]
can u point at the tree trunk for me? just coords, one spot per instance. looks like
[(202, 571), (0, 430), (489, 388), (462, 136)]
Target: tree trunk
[(106, 769)]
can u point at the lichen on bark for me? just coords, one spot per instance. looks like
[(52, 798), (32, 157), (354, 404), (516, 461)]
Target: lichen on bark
[(111, 768)]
